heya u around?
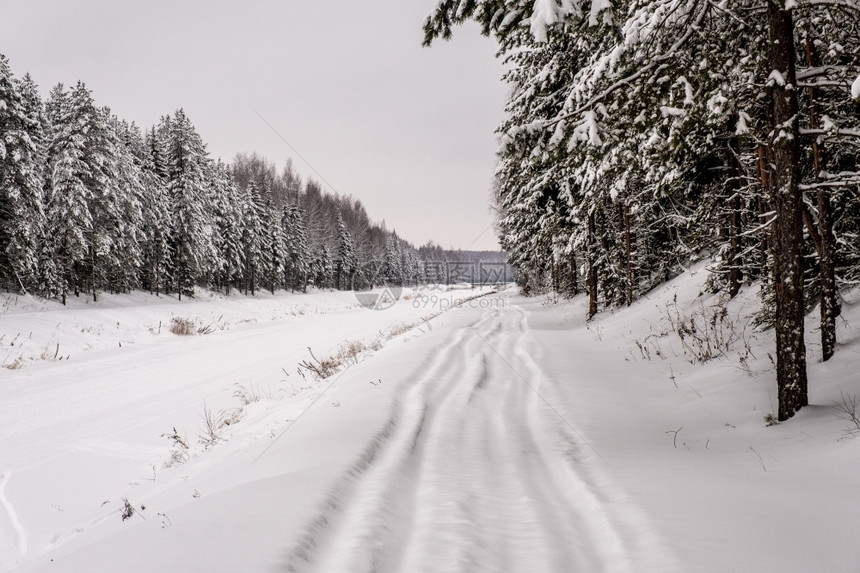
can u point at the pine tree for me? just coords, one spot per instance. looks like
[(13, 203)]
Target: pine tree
[(252, 238), (629, 123), (156, 222), (392, 268), (192, 245), (296, 253), (124, 216), (323, 269), (347, 262), (22, 219), (228, 216), (274, 248), (68, 198)]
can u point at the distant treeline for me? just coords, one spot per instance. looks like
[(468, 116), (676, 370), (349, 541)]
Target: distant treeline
[(89, 202)]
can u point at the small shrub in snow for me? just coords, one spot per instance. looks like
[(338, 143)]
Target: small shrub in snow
[(321, 368), (16, 364), (397, 330), (179, 454), (251, 395), (212, 426), (187, 327), (212, 326), (708, 332), (232, 417), (182, 326), (128, 509), (847, 411), (50, 354), (347, 353), (177, 440)]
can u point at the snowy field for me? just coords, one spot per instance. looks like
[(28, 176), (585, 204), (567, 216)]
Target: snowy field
[(503, 434)]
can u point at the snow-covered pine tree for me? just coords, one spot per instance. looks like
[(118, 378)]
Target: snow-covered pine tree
[(323, 269), (229, 222), (68, 198), (48, 279), (392, 269), (155, 270), (297, 253), (347, 261), (192, 241), (158, 143), (124, 217), (22, 219), (99, 178), (252, 237), (274, 248), (641, 82), (828, 62)]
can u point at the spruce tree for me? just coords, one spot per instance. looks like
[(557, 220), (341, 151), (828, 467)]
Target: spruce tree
[(68, 198), (192, 244), (22, 219), (347, 262), (296, 252), (229, 220)]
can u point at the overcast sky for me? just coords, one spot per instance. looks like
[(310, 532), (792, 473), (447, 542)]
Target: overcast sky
[(407, 130)]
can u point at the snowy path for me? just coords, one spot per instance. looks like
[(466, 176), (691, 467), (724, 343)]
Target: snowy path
[(448, 449), (474, 470)]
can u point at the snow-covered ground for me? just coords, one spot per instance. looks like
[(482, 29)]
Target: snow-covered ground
[(505, 434)]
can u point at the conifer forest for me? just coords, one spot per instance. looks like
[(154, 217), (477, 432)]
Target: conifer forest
[(91, 203), (643, 136)]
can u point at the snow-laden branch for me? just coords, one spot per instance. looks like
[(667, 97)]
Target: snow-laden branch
[(853, 5), (829, 184), (833, 131), (654, 63), (807, 73), (822, 84), (763, 226)]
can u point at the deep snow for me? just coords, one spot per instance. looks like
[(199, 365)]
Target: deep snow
[(505, 434)]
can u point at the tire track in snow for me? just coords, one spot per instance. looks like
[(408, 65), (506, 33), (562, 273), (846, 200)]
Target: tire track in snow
[(472, 471), (12, 515), (628, 532), (391, 449)]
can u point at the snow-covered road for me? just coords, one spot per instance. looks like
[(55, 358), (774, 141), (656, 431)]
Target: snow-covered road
[(506, 434), (473, 471)]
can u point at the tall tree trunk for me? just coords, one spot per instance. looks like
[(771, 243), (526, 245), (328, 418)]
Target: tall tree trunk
[(825, 239), (734, 228), (784, 160), (830, 308), (762, 210), (628, 248), (591, 279)]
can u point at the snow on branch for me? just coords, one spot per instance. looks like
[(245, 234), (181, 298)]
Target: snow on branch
[(829, 184), (853, 5), (831, 131), (655, 61), (805, 74)]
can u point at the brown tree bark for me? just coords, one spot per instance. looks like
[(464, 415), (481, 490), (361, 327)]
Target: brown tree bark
[(762, 209), (628, 252), (734, 229), (825, 241), (591, 279), (787, 236)]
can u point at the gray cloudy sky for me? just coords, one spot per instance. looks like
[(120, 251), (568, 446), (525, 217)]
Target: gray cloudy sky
[(405, 129)]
